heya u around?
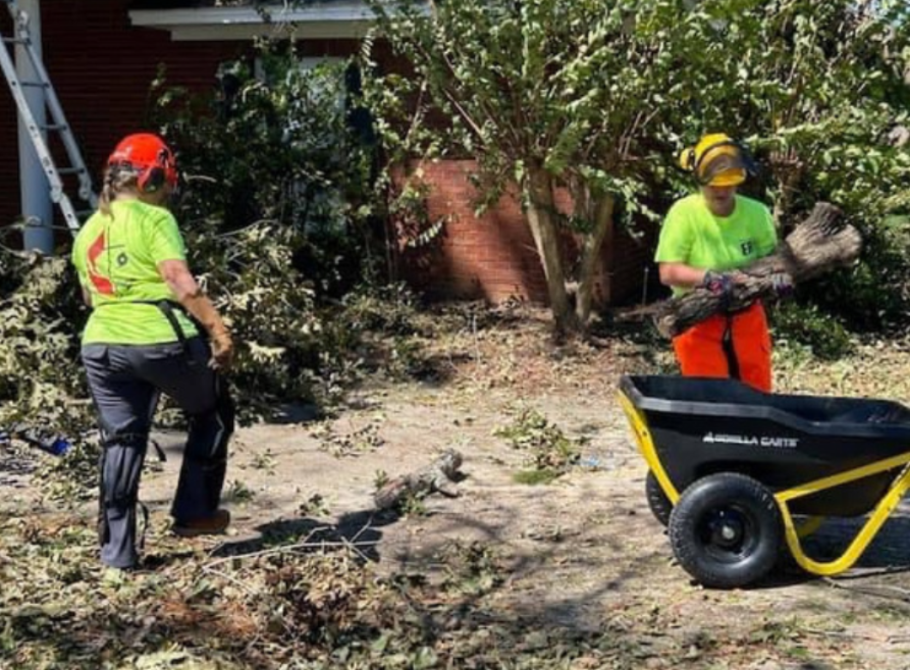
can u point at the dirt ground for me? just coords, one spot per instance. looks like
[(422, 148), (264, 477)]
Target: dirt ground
[(583, 551)]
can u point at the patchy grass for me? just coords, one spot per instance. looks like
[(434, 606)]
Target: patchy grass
[(549, 450), (536, 477)]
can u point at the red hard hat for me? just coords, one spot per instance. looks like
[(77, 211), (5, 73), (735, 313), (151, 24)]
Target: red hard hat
[(150, 157)]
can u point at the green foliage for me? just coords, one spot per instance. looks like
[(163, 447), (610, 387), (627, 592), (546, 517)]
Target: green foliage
[(412, 504), (805, 324), (546, 94), (356, 442), (821, 91), (472, 568), (275, 609), (42, 384), (873, 296), (238, 492), (535, 477), (40, 318), (381, 323), (278, 215), (550, 452), (277, 207)]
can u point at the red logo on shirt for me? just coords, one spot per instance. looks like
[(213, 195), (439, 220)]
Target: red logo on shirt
[(101, 283)]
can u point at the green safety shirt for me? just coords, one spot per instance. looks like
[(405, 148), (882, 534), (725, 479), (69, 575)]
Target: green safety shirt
[(692, 235), (117, 260)]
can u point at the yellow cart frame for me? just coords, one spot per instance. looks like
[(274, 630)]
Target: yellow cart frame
[(793, 534)]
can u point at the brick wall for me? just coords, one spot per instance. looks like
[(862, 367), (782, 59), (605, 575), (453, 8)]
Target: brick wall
[(632, 270), (493, 257)]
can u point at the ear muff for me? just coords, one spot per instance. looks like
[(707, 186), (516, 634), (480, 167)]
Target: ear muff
[(152, 180), (687, 159)]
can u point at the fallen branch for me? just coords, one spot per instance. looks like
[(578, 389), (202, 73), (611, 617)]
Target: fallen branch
[(437, 476), (816, 246)]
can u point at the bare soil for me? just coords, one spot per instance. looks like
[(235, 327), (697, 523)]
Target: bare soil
[(582, 551)]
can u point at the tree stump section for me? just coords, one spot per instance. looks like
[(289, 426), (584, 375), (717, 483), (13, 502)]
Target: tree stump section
[(437, 476), (816, 246)]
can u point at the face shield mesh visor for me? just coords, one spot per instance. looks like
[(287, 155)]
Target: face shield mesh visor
[(725, 165)]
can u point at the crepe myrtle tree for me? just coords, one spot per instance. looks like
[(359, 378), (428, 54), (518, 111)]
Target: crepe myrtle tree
[(822, 88), (545, 94)]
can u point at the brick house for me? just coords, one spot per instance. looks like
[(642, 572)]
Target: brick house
[(102, 55)]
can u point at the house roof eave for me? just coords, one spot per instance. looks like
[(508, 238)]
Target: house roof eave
[(342, 19)]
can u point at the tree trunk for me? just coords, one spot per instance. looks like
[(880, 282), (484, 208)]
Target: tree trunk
[(539, 192), (590, 255)]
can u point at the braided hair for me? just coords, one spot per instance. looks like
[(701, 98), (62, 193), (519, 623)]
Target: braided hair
[(117, 179)]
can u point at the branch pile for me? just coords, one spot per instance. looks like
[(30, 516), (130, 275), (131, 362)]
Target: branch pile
[(821, 243)]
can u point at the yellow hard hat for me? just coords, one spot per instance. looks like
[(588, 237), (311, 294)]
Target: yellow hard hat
[(717, 160)]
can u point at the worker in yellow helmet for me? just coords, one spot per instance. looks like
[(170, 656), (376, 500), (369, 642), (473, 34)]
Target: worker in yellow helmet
[(705, 238)]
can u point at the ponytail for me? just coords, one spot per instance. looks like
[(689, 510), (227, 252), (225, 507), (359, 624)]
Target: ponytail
[(116, 181)]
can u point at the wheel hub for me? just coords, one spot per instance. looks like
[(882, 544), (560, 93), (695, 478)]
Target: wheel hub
[(726, 530)]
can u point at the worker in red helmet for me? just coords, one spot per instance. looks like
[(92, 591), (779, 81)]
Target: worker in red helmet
[(151, 330), (705, 238)]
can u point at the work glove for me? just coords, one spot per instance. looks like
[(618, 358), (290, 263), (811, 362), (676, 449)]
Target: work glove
[(222, 349), (718, 283), (782, 284), (202, 309)]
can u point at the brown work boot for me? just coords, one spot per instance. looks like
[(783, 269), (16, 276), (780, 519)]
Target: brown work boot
[(212, 525)]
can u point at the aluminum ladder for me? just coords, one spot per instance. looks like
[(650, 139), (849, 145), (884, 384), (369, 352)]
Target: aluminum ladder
[(57, 122)]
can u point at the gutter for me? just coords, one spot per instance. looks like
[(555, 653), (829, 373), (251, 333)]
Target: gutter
[(345, 19)]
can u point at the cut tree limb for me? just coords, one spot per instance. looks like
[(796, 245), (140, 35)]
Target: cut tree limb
[(816, 246), (437, 476)]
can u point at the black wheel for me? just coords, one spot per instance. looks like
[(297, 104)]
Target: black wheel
[(657, 500), (726, 530)]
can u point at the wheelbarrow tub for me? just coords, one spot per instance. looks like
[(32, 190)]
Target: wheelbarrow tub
[(701, 426)]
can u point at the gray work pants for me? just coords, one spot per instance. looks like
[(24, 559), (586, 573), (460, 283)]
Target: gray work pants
[(125, 382)]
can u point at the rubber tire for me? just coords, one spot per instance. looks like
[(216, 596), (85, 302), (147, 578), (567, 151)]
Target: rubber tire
[(752, 513), (658, 501)]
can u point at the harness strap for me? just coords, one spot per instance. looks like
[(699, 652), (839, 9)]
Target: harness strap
[(730, 350), (167, 308), (140, 540)]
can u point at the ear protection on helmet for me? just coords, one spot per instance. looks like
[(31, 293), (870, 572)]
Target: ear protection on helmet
[(153, 178), (149, 157), (687, 159)]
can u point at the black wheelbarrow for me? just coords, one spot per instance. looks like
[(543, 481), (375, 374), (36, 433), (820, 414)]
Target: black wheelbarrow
[(736, 474)]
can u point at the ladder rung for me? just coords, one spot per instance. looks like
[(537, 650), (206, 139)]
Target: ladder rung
[(55, 127), (17, 40), (71, 170), (34, 84)]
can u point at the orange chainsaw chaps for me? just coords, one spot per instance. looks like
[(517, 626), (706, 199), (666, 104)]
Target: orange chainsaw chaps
[(700, 349)]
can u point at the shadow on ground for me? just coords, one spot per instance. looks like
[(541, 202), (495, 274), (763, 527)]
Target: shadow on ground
[(358, 531)]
